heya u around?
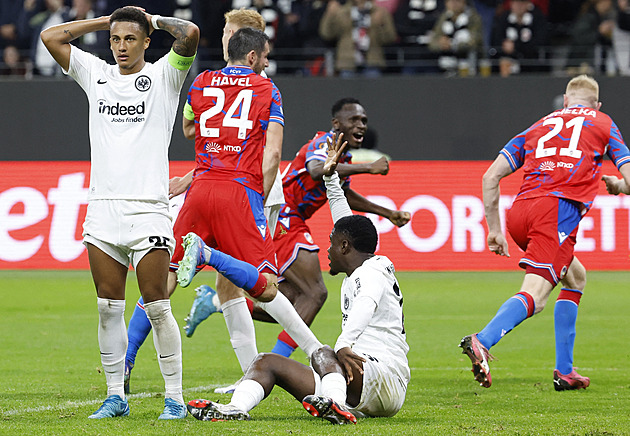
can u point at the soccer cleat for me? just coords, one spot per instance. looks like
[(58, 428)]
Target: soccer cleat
[(193, 256), (206, 303), (479, 357), (128, 368), (113, 406), (326, 408), (205, 410), (173, 410), (570, 381)]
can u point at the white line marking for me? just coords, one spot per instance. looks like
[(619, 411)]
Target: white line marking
[(77, 404)]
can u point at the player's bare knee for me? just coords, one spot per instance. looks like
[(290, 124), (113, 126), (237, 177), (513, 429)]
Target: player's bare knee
[(576, 278), (271, 289)]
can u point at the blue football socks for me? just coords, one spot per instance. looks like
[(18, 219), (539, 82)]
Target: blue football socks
[(514, 311), (242, 274), (565, 315), (283, 349), (138, 330)]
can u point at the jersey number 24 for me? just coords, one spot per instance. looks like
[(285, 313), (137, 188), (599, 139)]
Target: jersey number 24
[(232, 118)]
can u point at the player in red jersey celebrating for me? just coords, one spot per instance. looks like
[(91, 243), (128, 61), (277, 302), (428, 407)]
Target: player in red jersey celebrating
[(561, 156)]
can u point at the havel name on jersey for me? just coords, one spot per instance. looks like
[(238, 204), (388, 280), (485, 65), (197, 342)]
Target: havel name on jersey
[(228, 80)]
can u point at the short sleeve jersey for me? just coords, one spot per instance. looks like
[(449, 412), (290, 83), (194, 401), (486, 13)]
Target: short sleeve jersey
[(303, 195), (384, 338), (232, 109), (562, 154), (131, 121)]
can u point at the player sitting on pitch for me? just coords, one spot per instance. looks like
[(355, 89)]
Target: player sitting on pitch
[(367, 373)]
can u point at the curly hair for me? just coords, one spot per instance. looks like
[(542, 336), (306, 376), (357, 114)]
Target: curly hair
[(360, 232), (339, 104), (131, 14)]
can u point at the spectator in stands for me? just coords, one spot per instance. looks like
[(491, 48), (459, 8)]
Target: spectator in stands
[(360, 30), (208, 15), (95, 42), (519, 39), (303, 27), (487, 10), (457, 38), (9, 14), (13, 64), (621, 37), (390, 5), (415, 20), (591, 38), (35, 17)]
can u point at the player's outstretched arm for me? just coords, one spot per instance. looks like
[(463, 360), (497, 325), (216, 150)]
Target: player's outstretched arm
[(186, 33), (491, 195), (379, 166), (57, 38), (361, 204)]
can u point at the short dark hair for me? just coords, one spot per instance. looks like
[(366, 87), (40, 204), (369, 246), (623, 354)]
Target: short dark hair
[(339, 104), (133, 15), (245, 40), (360, 232)]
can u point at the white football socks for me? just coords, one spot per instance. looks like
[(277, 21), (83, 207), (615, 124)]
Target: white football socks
[(240, 326), (281, 309), (248, 394), (112, 341), (334, 386), (168, 344)]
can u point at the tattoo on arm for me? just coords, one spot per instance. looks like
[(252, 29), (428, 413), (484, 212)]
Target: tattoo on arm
[(69, 33), (185, 44)]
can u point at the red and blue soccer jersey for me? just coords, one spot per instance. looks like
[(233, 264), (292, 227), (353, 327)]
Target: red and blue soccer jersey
[(562, 154), (233, 108), (302, 194)]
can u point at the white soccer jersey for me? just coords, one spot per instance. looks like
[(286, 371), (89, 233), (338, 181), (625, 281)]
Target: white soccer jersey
[(383, 337), (131, 122)]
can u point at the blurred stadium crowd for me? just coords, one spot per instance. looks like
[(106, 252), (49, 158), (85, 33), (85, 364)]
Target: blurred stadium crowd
[(347, 38)]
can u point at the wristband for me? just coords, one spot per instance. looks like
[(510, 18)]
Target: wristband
[(154, 23)]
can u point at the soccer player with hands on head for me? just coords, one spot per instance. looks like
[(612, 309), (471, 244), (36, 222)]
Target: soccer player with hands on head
[(561, 156), (367, 373), (132, 110)]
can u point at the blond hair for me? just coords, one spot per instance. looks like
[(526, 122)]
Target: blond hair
[(583, 88), (245, 18)]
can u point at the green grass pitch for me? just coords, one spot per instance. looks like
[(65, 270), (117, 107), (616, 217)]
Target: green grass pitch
[(51, 379)]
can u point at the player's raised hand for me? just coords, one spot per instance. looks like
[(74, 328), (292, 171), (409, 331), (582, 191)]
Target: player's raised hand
[(336, 147), (350, 362), (380, 166), (498, 244), (399, 218), (614, 185)]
